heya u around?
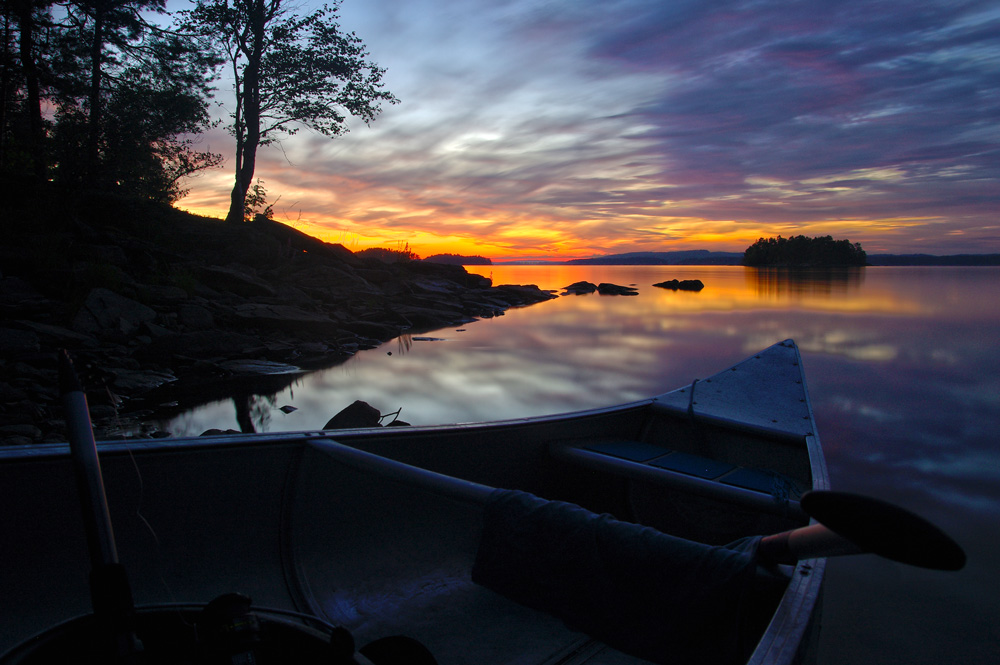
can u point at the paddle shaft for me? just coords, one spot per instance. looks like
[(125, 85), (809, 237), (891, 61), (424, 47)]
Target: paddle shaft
[(90, 482), (808, 542), (847, 523), (110, 592)]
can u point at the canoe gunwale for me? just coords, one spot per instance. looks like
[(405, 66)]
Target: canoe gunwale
[(786, 641)]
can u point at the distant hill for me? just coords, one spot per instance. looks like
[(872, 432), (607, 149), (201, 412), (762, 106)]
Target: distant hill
[(692, 257), (933, 260), (459, 260), (704, 257)]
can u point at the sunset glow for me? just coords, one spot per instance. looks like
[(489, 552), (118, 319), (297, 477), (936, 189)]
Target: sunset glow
[(558, 130)]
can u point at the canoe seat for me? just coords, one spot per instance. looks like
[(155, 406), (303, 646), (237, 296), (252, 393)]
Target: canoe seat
[(758, 488)]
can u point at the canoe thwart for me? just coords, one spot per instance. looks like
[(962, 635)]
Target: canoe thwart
[(714, 479), (464, 491)]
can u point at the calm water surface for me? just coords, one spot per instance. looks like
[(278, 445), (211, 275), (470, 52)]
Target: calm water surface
[(903, 369)]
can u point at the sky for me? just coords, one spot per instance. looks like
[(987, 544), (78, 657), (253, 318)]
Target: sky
[(532, 129)]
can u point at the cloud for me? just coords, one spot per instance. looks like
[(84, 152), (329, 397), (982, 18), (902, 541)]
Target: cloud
[(809, 88), (637, 123)]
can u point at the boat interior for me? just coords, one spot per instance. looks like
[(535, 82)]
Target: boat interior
[(377, 533)]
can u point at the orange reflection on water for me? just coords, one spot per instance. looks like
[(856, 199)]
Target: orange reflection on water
[(727, 288)]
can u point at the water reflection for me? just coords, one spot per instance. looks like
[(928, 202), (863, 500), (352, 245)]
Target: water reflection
[(582, 351), (777, 283), (253, 412)]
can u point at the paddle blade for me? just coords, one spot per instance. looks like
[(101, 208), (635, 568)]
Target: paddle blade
[(884, 529)]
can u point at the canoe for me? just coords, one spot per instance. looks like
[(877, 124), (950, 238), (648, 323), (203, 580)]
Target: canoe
[(616, 535)]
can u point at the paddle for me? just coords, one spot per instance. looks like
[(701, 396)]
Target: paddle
[(855, 524), (110, 593)]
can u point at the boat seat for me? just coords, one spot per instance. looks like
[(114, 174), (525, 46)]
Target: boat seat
[(757, 488)]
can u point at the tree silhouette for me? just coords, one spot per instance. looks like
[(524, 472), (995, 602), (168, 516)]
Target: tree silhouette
[(803, 251), (289, 71), (123, 95)]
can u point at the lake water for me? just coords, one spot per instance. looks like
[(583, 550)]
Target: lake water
[(903, 369)]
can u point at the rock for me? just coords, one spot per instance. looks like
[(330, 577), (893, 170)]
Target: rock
[(579, 288), (359, 414), (522, 294), (27, 431), (234, 281), (195, 317), (682, 285), (17, 294), (457, 274), (201, 345), (133, 382), (102, 411), (329, 280), (267, 315), (167, 294), (436, 287), (608, 289), (13, 342), (16, 440), (257, 367), (59, 336), (291, 295), (204, 302), (425, 318), (373, 330), (112, 254), (153, 330), (106, 310)]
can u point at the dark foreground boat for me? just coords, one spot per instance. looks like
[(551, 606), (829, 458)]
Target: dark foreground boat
[(399, 531)]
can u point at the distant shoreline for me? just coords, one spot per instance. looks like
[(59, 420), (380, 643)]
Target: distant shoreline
[(708, 258)]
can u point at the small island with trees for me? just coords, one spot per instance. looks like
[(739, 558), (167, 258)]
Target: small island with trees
[(459, 260), (801, 251)]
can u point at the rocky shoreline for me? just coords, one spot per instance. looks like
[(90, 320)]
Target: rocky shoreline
[(198, 304)]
